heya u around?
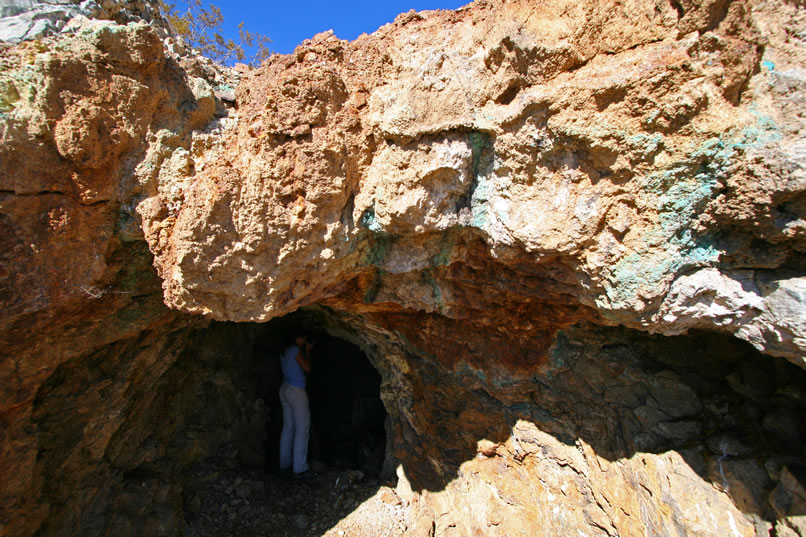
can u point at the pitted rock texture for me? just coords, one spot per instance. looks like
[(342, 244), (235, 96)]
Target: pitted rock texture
[(534, 218), (644, 162), (76, 114)]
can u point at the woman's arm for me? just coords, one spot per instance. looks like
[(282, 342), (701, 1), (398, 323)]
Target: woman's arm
[(304, 362)]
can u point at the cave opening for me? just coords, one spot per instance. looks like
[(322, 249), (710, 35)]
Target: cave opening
[(233, 485), (347, 414)]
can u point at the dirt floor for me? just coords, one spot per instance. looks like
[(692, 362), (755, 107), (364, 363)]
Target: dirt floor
[(336, 503)]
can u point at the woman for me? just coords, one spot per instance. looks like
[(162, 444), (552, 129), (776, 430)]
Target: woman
[(295, 363)]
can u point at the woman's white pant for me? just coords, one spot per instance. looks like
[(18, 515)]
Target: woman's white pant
[(296, 427)]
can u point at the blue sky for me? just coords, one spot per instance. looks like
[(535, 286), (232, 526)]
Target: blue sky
[(288, 23)]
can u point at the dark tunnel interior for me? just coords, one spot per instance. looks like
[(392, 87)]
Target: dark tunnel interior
[(347, 414), (236, 487)]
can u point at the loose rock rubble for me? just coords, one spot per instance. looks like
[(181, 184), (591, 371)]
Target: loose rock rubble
[(334, 503)]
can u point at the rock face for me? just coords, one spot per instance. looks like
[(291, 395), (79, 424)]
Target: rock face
[(24, 20), (76, 284), (569, 235), (621, 158)]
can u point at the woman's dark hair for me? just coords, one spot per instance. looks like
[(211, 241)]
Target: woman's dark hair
[(291, 337)]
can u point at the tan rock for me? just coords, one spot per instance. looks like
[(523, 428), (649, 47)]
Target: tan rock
[(605, 149), (496, 203)]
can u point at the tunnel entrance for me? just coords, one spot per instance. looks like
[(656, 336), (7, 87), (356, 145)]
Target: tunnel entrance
[(234, 490), (347, 415), (346, 410)]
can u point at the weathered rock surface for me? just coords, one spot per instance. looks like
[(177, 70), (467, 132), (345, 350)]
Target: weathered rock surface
[(648, 167), (76, 283), (569, 235), (25, 20)]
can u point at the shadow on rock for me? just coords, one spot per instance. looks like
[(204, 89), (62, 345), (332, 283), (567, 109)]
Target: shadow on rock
[(616, 426)]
